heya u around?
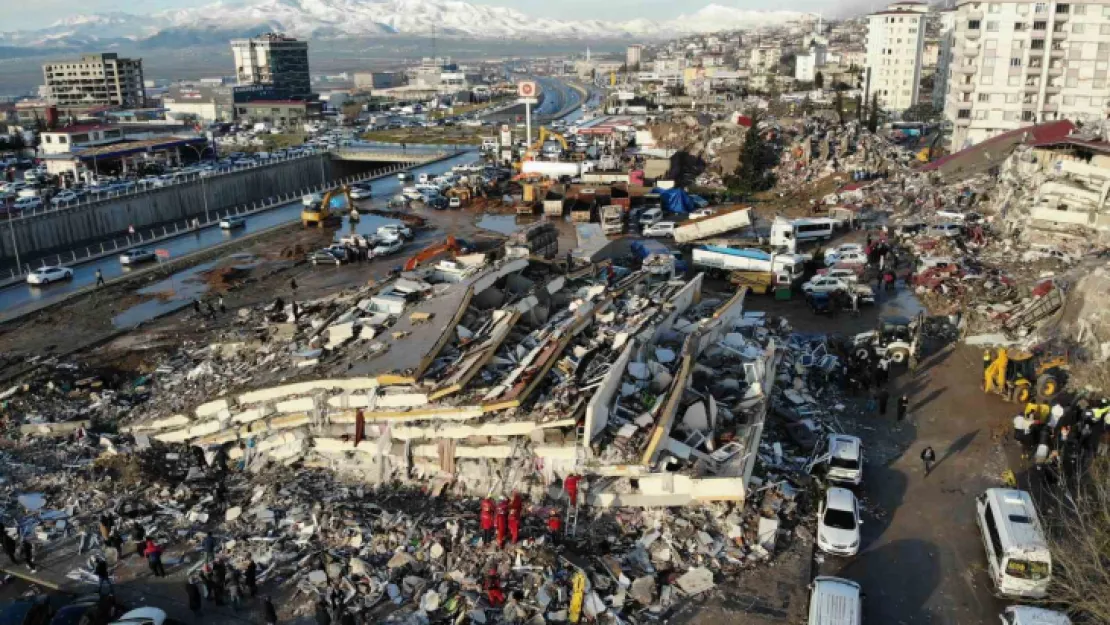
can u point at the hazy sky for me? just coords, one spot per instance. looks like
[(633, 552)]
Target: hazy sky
[(16, 16)]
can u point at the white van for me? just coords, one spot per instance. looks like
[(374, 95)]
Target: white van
[(835, 601), (1018, 559), (650, 216), (1029, 615)]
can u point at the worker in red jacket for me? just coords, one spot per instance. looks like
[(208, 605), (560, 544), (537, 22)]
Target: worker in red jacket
[(554, 526), (492, 586), (571, 486), (514, 525), (486, 518), (517, 504), (502, 521)]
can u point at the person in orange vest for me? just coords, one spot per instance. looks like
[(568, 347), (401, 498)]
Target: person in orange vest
[(554, 526), (486, 518), (492, 586), (502, 521), (514, 525), (570, 485)]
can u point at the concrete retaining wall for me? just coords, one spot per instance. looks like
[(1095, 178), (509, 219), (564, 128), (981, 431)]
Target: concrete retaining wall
[(77, 226)]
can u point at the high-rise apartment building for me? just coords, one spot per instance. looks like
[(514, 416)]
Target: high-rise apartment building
[(95, 80), (947, 42), (1020, 63), (895, 39), (633, 57), (274, 61)]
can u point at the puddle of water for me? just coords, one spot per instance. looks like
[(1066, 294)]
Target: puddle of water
[(175, 292)]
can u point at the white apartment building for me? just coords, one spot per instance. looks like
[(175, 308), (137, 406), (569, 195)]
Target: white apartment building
[(947, 42), (764, 58), (633, 57), (895, 39), (95, 80), (1020, 63)]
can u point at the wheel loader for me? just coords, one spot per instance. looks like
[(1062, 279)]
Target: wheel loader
[(1024, 376)]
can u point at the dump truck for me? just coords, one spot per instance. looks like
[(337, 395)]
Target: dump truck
[(760, 282), (725, 221), (553, 203), (612, 219), (724, 260)]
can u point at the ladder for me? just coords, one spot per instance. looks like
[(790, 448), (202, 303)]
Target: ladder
[(579, 467)]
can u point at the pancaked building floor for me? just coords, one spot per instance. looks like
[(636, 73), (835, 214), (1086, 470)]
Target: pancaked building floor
[(347, 444)]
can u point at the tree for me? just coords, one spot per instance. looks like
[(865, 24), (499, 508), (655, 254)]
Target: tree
[(351, 111), (839, 104), (873, 114), (859, 108), (757, 158), (921, 112), (819, 80), (1076, 517)]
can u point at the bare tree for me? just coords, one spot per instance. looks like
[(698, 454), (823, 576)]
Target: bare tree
[(1077, 525)]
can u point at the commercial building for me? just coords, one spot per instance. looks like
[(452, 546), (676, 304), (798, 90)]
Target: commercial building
[(274, 61), (278, 113), (95, 80), (895, 39), (205, 103), (379, 80), (633, 57), (1022, 63)]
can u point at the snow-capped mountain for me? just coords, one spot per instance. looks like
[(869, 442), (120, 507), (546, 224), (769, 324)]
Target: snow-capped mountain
[(362, 18)]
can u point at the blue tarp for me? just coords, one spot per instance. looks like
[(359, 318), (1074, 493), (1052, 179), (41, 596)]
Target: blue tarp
[(675, 200)]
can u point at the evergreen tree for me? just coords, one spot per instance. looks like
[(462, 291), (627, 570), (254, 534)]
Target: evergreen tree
[(873, 114), (819, 80), (757, 158)]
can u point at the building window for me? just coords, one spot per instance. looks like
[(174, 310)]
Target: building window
[(992, 27), (1013, 81), (1016, 45), (982, 114), (1080, 9), (973, 24), (1063, 8), (1011, 98), (1019, 26), (1027, 116), (984, 97), (1072, 81), (1039, 24), (994, 7), (1077, 28), (1100, 83), (1038, 44), (49, 138), (1023, 9), (1010, 116), (1015, 61), (1106, 11), (1069, 100), (1040, 7), (986, 80)]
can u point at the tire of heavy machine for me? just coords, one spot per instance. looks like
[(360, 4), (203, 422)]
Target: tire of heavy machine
[(899, 356), (1047, 386), (863, 353), (1023, 393)]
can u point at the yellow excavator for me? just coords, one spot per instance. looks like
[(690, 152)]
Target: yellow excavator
[(335, 203), (537, 146), (1023, 376)]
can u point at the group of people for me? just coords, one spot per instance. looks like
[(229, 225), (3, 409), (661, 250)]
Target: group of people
[(221, 583), (25, 546), (207, 309), (500, 520), (1061, 437)]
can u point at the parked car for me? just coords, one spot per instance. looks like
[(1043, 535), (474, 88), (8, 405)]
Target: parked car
[(845, 462), (454, 203), (832, 253), (231, 223), (846, 258), (136, 256), (65, 197), (824, 284), (46, 275), (142, 616), (387, 247), (1029, 615), (703, 212), (27, 203), (360, 192), (333, 255), (394, 230), (659, 229), (838, 523), (947, 230)]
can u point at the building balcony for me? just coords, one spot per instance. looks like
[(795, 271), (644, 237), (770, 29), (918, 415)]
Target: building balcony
[(1029, 106), (1031, 88), (1057, 53), (1061, 17), (971, 51), (1051, 88), (973, 35), (965, 87), (1059, 35), (1050, 107), (963, 121), (1055, 70), (975, 14), (1038, 52), (967, 69)]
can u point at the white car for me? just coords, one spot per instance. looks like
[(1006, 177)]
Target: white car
[(136, 256), (846, 274), (843, 248), (27, 203), (360, 192), (703, 212), (454, 202), (387, 247), (948, 230), (659, 229), (845, 463), (65, 197), (1029, 615), (142, 616), (392, 231), (823, 284), (838, 523), (46, 275), (231, 223), (846, 258)]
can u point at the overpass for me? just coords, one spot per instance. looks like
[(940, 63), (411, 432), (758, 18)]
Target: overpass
[(393, 152)]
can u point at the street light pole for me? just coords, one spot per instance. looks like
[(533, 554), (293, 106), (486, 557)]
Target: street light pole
[(15, 245)]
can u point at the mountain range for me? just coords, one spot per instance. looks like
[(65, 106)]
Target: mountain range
[(337, 19)]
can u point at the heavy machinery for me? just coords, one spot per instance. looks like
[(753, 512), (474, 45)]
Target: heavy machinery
[(545, 135), (449, 245), (1024, 376), (335, 203)]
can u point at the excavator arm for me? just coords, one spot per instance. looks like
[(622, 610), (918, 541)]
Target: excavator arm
[(448, 245)]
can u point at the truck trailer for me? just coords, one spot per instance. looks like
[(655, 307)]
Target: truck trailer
[(727, 260), (722, 222)]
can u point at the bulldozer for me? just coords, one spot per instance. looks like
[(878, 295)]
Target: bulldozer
[(1025, 376), (335, 203)]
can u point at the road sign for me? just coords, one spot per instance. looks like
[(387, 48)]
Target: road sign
[(160, 253), (526, 89)]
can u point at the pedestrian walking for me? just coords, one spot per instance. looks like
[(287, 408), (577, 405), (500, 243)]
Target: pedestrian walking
[(223, 309), (9, 546), (250, 576), (99, 278), (84, 537), (882, 398), (903, 407), (293, 285), (269, 612), (103, 578), (28, 552), (928, 456), (193, 592), (235, 592), (209, 545), (153, 554), (872, 402), (138, 535)]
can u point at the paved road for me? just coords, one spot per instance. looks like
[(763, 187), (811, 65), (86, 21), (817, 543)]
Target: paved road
[(18, 296)]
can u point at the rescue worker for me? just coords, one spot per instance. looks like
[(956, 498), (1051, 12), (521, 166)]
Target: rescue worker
[(492, 587), (9, 546), (554, 526), (570, 485), (486, 519), (502, 521), (986, 360), (28, 552), (250, 576), (514, 525), (903, 407), (153, 555), (883, 398)]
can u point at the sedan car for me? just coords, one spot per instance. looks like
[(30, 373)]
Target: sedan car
[(334, 255), (136, 256), (821, 284), (838, 523), (46, 275), (360, 192), (65, 197), (231, 223), (387, 247), (142, 616), (392, 231)]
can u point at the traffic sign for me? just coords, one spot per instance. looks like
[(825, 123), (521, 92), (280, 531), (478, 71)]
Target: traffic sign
[(526, 89), (161, 253)]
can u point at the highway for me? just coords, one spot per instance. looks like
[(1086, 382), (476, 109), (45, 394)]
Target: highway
[(19, 296)]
